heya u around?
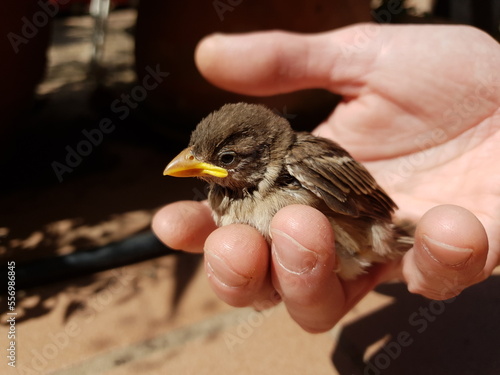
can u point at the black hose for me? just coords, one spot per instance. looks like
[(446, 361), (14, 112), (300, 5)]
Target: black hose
[(48, 270)]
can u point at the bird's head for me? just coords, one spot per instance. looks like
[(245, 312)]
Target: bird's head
[(236, 147)]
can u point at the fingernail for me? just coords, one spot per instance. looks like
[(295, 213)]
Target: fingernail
[(291, 255), (218, 268), (446, 254)]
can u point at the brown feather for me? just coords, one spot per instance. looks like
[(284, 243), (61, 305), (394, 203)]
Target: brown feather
[(324, 168)]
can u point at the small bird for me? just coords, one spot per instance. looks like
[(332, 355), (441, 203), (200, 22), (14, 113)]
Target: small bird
[(255, 164)]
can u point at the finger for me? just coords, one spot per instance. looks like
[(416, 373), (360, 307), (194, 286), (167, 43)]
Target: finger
[(303, 265), (451, 247), (184, 225), (237, 264), (273, 62)]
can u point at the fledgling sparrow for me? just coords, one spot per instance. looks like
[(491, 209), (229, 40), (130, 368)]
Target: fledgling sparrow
[(256, 164)]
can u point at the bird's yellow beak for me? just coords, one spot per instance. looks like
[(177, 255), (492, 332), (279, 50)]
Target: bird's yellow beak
[(186, 165)]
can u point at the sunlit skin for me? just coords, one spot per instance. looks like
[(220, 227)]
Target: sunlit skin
[(421, 111)]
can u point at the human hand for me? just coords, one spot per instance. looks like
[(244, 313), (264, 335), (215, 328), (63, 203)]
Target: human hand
[(421, 110)]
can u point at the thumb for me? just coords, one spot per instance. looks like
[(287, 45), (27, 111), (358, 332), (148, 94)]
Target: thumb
[(450, 252), (274, 62)]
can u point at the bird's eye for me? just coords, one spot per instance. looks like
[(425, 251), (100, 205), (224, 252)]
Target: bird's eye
[(227, 157)]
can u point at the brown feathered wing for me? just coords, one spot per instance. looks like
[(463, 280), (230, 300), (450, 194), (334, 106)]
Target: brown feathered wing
[(328, 171)]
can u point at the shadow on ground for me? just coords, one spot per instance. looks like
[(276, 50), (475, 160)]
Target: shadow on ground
[(460, 336)]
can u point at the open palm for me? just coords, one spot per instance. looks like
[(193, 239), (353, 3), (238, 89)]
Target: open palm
[(421, 110), (425, 118)]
